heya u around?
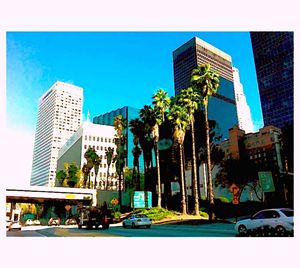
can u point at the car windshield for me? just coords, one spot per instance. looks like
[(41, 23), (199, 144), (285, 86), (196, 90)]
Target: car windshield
[(288, 213), (140, 216)]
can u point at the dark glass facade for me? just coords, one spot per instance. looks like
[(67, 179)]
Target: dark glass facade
[(128, 113), (274, 62), (222, 107)]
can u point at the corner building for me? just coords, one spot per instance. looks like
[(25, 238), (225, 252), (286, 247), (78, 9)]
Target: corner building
[(222, 106), (59, 117), (274, 62), (98, 137)]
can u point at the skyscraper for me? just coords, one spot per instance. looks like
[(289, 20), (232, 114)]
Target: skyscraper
[(59, 117), (274, 62), (243, 109), (222, 106)]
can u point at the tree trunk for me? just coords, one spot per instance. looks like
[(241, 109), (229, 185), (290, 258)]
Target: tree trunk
[(210, 183), (107, 175), (194, 173), (183, 199), (120, 191), (138, 177), (158, 176)]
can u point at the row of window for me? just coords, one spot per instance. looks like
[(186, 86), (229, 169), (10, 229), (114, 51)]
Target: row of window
[(101, 139), (97, 148)]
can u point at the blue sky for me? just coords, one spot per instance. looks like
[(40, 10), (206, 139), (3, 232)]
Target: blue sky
[(114, 68)]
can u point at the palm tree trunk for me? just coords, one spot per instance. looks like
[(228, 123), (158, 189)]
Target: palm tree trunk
[(194, 173), (183, 199), (210, 184), (120, 190), (138, 177), (107, 175), (158, 176), (95, 181)]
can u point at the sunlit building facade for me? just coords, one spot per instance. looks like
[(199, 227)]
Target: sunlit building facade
[(59, 117), (100, 138), (243, 109)]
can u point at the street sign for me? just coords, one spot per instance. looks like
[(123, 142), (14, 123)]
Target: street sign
[(266, 181), (235, 193), (114, 201), (142, 199), (67, 207)]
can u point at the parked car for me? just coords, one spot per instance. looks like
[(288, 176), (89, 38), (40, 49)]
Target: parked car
[(54, 221), (277, 220), (13, 225), (71, 221), (137, 220), (36, 222), (31, 222)]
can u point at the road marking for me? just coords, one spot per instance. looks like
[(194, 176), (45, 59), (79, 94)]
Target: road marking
[(72, 232)]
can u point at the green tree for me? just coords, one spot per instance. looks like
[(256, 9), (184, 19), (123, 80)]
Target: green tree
[(61, 176), (91, 157), (189, 99), (69, 176), (206, 83), (180, 120), (135, 128), (97, 162), (161, 102), (241, 172), (119, 159), (109, 153), (147, 116)]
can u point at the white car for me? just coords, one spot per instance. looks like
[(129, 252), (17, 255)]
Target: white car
[(13, 225), (279, 219), (137, 220)]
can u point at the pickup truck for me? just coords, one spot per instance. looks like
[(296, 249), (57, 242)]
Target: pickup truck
[(94, 217)]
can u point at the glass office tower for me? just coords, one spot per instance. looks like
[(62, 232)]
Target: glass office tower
[(222, 106), (274, 62), (128, 113)]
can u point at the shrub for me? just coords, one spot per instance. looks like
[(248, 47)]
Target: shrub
[(156, 213)]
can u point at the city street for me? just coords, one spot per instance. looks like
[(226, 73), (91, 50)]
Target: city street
[(156, 230)]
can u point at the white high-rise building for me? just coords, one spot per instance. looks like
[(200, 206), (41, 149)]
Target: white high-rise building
[(59, 117), (243, 109)]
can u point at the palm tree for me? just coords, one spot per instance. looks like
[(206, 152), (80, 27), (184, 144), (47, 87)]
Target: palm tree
[(161, 103), (136, 127), (189, 99), (97, 162), (109, 156), (119, 159), (179, 118), (206, 83), (90, 155), (147, 116)]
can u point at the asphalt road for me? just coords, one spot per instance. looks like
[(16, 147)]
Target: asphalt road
[(156, 230)]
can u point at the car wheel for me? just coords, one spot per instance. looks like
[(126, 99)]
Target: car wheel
[(124, 225), (280, 230), (242, 230), (133, 225)]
